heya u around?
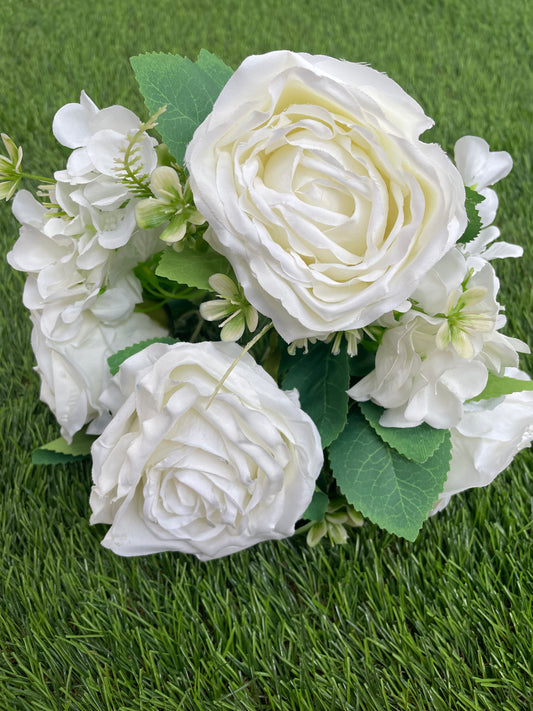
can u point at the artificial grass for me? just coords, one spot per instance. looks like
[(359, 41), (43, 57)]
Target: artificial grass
[(444, 623)]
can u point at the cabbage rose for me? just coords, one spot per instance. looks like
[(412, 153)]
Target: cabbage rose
[(74, 372), (319, 192), (178, 470)]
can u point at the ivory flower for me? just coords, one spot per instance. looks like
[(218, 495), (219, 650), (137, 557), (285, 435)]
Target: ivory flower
[(69, 271), (319, 192), (480, 168), (174, 471), (74, 372), (92, 180), (439, 354), (485, 441)]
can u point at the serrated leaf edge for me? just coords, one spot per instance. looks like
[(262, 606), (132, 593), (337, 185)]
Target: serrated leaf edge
[(402, 454)]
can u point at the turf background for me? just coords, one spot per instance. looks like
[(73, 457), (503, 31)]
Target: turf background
[(442, 623)]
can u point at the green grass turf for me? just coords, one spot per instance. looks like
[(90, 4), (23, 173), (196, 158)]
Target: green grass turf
[(443, 623)]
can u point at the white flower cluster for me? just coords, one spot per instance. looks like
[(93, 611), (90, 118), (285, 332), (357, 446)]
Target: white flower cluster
[(435, 357), (339, 224), (485, 441), (79, 253), (336, 217), (438, 355)]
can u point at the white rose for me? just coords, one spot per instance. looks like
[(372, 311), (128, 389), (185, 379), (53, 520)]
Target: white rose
[(487, 439), (74, 372), (173, 472), (319, 192)]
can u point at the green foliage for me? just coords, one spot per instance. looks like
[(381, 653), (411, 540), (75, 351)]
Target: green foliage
[(318, 506), (191, 267), (498, 385), (59, 451), (187, 89), (363, 363), (322, 380), (115, 361), (474, 221), (392, 491), (415, 443), (131, 171)]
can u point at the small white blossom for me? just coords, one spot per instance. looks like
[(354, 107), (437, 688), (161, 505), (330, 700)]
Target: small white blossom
[(438, 354), (10, 173), (480, 168), (172, 203), (93, 180), (232, 306), (485, 441)]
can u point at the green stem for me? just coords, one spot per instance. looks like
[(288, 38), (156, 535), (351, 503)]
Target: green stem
[(141, 182), (303, 529), (420, 310), (148, 309), (166, 295), (197, 330), (142, 185), (246, 348), (40, 178)]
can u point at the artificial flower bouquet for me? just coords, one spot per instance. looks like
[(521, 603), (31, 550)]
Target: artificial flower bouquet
[(282, 317)]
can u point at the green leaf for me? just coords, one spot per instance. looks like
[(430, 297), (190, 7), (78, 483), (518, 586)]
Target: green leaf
[(188, 90), (59, 451), (191, 267), (391, 490), (322, 380), (415, 443), (317, 507), (499, 385), (115, 361), (214, 68), (287, 361), (363, 363), (474, 220)]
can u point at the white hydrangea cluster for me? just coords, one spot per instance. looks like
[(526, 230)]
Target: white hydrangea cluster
[(485, 441), (91, 186), (480, 168), (434, 358), (439, 354), (79, 253)]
